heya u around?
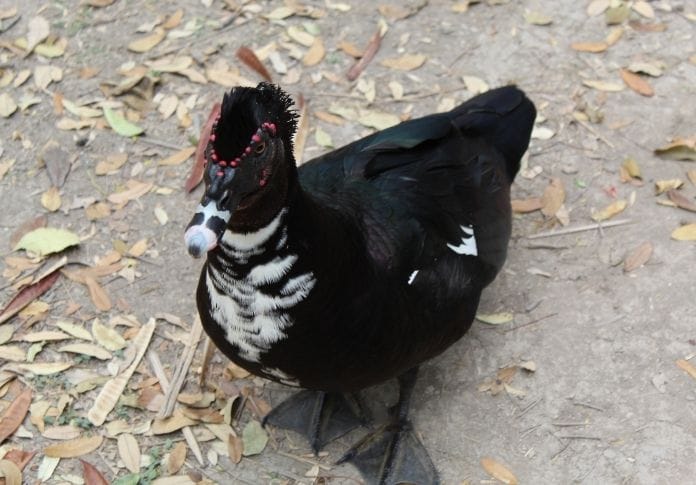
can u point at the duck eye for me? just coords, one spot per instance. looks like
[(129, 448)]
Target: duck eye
[(260, 148)]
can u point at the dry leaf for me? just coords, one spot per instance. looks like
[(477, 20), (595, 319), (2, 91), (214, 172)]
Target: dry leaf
[(51, 199), (235, 448), (48, 335), (679, 149), (687, 232), (632, 168), (111, 164), (691, 174), (11, 473), (39, 29), (173, 20), (593, 47), (315, 53), (687, 367), (475, 84), (144, 44), (129, 451), (135, 189), (644, 9), (407, 62), (91, 475), (495, 318), (97, 294), (28, 295), (681, 201), (196, 175), (176, 458), (179, 157), (14, 414), (652, 68), (112, 390), (107, 337), (171, 424), (636, 83), (498, 471), (638, 257), (12, 353), (74, 448), (665, 185), (553, 198), (87, 349), (248, 57), (614, 35), (607, 86), (7, 105), (597, 7), (537, 18), (378, 120), (45, 368), (610, 211)]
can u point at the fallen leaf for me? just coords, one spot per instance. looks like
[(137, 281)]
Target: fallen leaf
[(687, 367), (45, 368), (617, 14), (597, 7), (74, 448), (111, 164), (641, 27), (542, 133), (144, 44), (14, 414), (52, 335), (637, 83), (302, 130), (50, 199), (171, 424), (537, 18), (39, 29), (614, 35), (495, 318), (607, 86), (610, 211), (632, 168), (129, 451), (681, 201), (179, 157), (161, 215), (11, 473), (57, 163), (378, 120), (691, 174), (91, 475), (65, 432), (254, 438), (654, 68), (323, 138), (20, 457), (643, 8), (679, 149), (553, 197), (7, 105), (196, 175), (12, 353), (638, 257), (87, 349), (594, 47), (475, 84), (107, 337), (315, 53), (407, 62), (97, 211), (173, 20), (498, 471), (525, 206), (176, 458), (248, 57), (46, 74), (134, 190), (28, 295), (665, 185), (112, 390), (120, 125), (687, 232)]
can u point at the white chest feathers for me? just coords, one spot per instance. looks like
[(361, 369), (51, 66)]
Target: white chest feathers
[(252, 316)]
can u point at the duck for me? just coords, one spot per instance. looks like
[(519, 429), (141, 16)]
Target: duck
[(355, 267)]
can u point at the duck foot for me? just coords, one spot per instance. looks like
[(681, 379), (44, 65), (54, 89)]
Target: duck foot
[(319, 416), (393, 454)]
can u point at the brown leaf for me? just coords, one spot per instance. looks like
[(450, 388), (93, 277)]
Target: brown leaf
[(26, 227), (98, 295), (350, 49), (129, 451), (74, 448), (111, 164), (692, 176), (368, 55), (498, 471), (526, 205), (610, 211), (11, 473), (681, 201), (407, 62), (144, 44), (248, 57), (14, 414), (91, 475), (171, 424), (687, 232), (652, 27), (315, 53), (632, 168), (638, 257), (173, 20), (235, 448), (665, 185), (28, 295), (179, 157), (57, 163), (19, 457), (134, 190), (679, 149), (177, 457), (593, 47), (553, 198), (51, 199), (687, 367), (637, 83), (196, 175)]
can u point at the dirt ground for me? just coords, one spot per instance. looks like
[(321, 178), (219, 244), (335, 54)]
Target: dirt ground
[(607, 402)]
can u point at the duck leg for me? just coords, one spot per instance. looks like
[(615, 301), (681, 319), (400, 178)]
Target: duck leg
[(319, 416), (393, 454)]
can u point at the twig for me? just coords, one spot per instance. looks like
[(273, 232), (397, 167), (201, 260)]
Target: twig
[(557, 454), (532, 322), (573, 230), (208, 352), (579, 437), (587, 405), (585, 125), (545, 246), (528, 408), (569, 424), (370, 51), (160, 143), (181, 370), (302, 459), (158, 370)]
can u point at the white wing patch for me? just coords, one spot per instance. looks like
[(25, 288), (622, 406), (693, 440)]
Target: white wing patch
[(413, 277), (468, 244)]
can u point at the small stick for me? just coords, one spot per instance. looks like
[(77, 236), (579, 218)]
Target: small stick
[(579, 437), (586, 405), (573, 230), (304, 460), (569, 424), (528, 408), (585, 125), (545, 246), (370, 51), (531, 323), (208, 352)]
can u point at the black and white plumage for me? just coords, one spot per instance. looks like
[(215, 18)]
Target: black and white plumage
[(366, 261)]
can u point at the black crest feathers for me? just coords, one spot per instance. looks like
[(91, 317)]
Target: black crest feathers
[(245, 109)]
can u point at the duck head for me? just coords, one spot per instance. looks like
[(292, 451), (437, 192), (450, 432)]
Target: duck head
[(247, 159)]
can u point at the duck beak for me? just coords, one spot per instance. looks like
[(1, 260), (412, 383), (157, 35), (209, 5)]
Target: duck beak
[(206, 228)]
